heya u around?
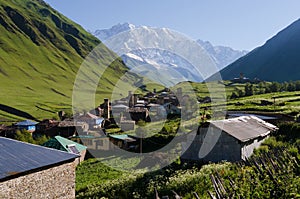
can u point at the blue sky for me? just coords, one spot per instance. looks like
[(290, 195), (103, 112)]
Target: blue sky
[(239, 24)]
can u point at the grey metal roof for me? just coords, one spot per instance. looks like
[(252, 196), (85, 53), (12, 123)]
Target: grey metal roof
[(19, 157), (245, 128), (123, 137), (26, 123), (120, 106), (263, 117)]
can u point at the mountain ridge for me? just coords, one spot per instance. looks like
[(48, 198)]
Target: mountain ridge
[(276, 60), (171, 56), (221, 55)]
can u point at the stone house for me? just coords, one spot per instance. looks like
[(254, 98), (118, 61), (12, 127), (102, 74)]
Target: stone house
[(31, 171), (47, 127), (68, 128), (126, 142), (92, 120), (231, 139), (120, 111), (171, 109), (94, 141), (127, 125)]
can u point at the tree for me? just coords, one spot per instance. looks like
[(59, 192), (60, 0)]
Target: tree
[(25, 136), (297, 85), (291, 86), (234, 95), (274, 87), (248, 89), (261, 87), (240, 92)]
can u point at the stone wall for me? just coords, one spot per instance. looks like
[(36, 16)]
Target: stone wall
[(248, 148), (226, 148), (213, 145), (55, 182)]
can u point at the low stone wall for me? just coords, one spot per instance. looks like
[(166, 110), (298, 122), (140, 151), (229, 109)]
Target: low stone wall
[(55, 182)]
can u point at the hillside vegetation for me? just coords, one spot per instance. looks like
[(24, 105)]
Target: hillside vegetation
[(40, 53), (272, 172)]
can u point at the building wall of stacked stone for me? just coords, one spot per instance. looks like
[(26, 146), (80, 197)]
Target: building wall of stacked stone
[(55, 182)]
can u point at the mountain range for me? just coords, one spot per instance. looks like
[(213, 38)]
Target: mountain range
[(222, 55), (155, 60)]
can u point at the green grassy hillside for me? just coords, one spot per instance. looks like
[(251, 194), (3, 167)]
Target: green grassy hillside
[(40, 54)]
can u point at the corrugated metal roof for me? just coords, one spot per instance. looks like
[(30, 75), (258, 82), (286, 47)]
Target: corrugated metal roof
[(245, 128), (123, 137), (26, 123), (153, 105), (65, 142), (120, 106), (61, 143), (19, 157), (54, 144), (263, 117)]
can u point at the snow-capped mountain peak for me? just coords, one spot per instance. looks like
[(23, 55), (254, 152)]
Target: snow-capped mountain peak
[(116, 29), (139, 47), (222, 55)]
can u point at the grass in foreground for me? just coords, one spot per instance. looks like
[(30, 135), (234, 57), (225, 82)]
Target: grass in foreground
[(95, 180)]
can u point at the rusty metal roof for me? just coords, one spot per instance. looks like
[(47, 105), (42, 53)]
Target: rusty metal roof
[(245, 128), (18, 158)]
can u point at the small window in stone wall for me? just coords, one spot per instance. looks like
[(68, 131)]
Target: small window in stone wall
[(87, 142), (100, 142)]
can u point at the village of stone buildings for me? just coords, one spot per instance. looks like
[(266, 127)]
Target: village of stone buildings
[(29, 167), (90, 128)]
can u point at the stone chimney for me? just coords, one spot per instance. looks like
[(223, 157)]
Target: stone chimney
[(241, 75), (130, 99), (135, 98), (179, 93)]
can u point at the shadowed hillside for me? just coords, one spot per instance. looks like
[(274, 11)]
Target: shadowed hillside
[(277, 60)]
